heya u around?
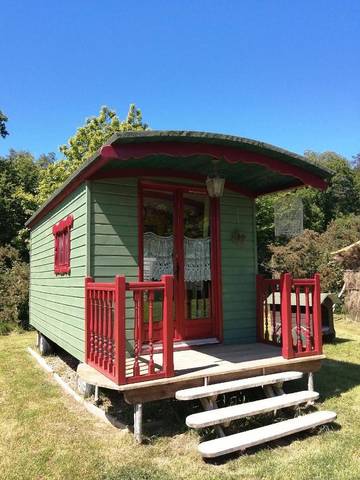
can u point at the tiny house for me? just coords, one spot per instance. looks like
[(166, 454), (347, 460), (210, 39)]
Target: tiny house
[(143, 264)]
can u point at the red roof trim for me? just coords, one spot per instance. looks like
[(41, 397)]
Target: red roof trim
[(134, 150), (229, 154)]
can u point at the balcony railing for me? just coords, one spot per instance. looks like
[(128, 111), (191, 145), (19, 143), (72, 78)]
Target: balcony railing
[(129, 325), (118, 312), (289, 314)]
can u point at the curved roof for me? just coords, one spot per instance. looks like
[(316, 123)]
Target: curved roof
[(249, 166), (241, 143)]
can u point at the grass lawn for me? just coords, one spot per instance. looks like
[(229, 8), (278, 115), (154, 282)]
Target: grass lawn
[(46, 435)]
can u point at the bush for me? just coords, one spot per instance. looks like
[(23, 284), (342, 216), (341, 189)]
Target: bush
[(14, 290), (310, 252), (300, 256)]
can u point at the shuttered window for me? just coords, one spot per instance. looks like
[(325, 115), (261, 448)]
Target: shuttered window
[(62, 245)]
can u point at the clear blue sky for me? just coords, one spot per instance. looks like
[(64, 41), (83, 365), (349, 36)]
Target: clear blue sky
[(286, 72)]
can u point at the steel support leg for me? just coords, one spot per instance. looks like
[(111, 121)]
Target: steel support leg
[(210, 404), (311, 382), (138, 422)]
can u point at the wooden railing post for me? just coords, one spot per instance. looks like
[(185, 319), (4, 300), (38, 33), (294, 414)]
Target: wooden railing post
[(317, 315), (168, 327), (87, 319), (137, 331), (286, 316), (119, 329), (259, 308)]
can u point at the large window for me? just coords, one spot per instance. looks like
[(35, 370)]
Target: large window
[(61, 232)]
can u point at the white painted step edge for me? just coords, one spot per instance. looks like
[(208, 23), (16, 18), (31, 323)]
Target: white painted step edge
[(242, 384), (250, 438), (234, 412)]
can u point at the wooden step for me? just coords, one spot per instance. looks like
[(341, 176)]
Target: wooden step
[(236, 385), (250, 438), (234, 412)]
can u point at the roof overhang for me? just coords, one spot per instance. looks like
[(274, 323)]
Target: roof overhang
[(250, 167)]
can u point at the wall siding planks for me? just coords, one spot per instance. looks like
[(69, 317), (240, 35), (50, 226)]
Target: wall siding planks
[(239, 268), (114, 235), (114, 251), (57, 301)]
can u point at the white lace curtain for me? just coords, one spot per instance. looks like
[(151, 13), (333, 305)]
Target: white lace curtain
[(158, 257)]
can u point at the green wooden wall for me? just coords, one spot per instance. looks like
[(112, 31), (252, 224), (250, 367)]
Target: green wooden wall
[(57, 301), (104, 243), (239, 267), (114, 235), (114, 250)]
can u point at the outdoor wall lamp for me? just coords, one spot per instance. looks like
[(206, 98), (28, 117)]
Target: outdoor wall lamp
[(215, 184)]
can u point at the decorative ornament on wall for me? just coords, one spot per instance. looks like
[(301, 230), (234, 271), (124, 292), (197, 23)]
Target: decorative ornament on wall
[(238, 237)]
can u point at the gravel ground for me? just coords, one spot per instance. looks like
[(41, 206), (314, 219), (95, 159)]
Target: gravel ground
[(65, 366), (165, 417)]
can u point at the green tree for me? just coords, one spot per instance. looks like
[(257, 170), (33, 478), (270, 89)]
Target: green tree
[(342, 197), (96, 131), (300, 256), (265, 229), (51, 178), (19, 176), (310, 252), (3, 120), (14, 290), (46, 159), (86, 141)]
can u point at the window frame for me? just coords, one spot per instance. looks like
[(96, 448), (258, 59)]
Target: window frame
[(62, 245)]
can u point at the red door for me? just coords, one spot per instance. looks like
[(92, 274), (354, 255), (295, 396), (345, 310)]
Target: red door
[(177, 238)]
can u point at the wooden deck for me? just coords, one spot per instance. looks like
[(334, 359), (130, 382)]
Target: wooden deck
[(209, 363)]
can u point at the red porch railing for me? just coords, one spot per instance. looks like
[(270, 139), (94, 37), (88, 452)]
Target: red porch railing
[(289, 314), (111, 313)]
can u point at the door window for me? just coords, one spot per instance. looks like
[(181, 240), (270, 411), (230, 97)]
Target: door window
[(197, 253)]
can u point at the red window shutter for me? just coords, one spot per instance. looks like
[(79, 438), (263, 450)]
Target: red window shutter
[(62, 245)]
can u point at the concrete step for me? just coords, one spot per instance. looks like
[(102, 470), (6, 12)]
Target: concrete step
[(250, 438), (236, 385), (234, 412)]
